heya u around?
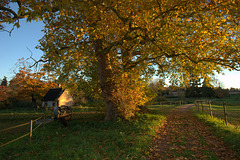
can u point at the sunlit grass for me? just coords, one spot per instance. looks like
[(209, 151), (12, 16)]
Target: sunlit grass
[(232, 106), (233, 112), (229, 133), (89, 137), (163, 109)]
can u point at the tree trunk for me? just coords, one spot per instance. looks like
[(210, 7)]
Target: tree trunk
[(106, 79), (34, 101)]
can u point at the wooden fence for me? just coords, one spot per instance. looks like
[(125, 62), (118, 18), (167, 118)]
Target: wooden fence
[(205, 106), (173, 102), (24, 124)]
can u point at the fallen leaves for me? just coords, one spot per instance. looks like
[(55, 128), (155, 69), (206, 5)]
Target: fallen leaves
[(184, 137)]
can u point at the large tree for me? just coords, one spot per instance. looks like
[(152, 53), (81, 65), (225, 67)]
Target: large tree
[(114, 38)]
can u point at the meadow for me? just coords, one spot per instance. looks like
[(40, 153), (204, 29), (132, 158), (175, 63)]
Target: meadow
[(86, 137)]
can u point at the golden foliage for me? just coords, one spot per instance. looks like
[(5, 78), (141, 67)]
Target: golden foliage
[(130, 93), (27, 84), (171, 38)]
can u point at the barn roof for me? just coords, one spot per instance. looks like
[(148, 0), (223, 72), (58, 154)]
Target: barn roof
[(53, 94)]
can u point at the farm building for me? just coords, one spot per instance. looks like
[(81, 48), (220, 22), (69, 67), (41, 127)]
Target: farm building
[(57, 97)]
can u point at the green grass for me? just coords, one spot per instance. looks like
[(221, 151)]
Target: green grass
[(232, 99), (229, 133), (89, 137), (162, 109), (232, 108), (233, 112)]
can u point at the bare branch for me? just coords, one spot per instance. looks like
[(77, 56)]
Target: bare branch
[(36, 62)]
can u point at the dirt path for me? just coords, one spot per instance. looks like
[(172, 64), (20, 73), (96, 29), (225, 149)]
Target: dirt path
[(184, 137)]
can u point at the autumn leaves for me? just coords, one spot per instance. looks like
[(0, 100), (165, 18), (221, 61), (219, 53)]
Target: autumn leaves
[(184, 137)]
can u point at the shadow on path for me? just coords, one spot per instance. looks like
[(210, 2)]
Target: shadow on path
[(183, 136)]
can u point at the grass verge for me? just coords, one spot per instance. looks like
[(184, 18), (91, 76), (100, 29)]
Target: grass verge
[(230, 134)]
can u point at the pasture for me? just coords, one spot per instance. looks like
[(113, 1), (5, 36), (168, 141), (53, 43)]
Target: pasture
[(86, 137)]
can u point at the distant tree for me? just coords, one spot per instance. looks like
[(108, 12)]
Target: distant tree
[(194, 87), (221, 93), (216, 83), (157, 84), (27, 84), (4, 93), (207, 90), (4, 81)]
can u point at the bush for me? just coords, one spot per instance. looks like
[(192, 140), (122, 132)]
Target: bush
[(22, 104), (2, 105)]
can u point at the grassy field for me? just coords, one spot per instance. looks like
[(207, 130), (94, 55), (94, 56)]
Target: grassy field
[(86, 137), (89, 137), (232, 99)]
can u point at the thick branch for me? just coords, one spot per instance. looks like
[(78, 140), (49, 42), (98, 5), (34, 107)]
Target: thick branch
[(123, 19), (9, 10), (219, 61)]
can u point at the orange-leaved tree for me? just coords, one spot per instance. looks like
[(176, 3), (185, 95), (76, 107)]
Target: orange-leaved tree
[(169, 38), (4, 92), (28, 84)]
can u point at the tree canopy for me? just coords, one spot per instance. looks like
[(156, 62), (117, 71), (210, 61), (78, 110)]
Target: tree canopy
[(118, 39)]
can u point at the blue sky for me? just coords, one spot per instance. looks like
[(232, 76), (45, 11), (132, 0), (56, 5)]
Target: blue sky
[(15, 47)]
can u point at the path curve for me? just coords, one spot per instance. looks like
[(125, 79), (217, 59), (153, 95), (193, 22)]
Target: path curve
[(183, 136)]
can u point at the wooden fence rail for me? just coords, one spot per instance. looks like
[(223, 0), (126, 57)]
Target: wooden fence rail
[(209, 104), (29, 133), (173, 102)]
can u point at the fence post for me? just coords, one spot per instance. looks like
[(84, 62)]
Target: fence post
[(44, 121), (30, 131), (14, 112), (210, 109), (198, 103), (225, 113)]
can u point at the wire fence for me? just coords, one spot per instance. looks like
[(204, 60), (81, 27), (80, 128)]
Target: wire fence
[(24, 124)]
